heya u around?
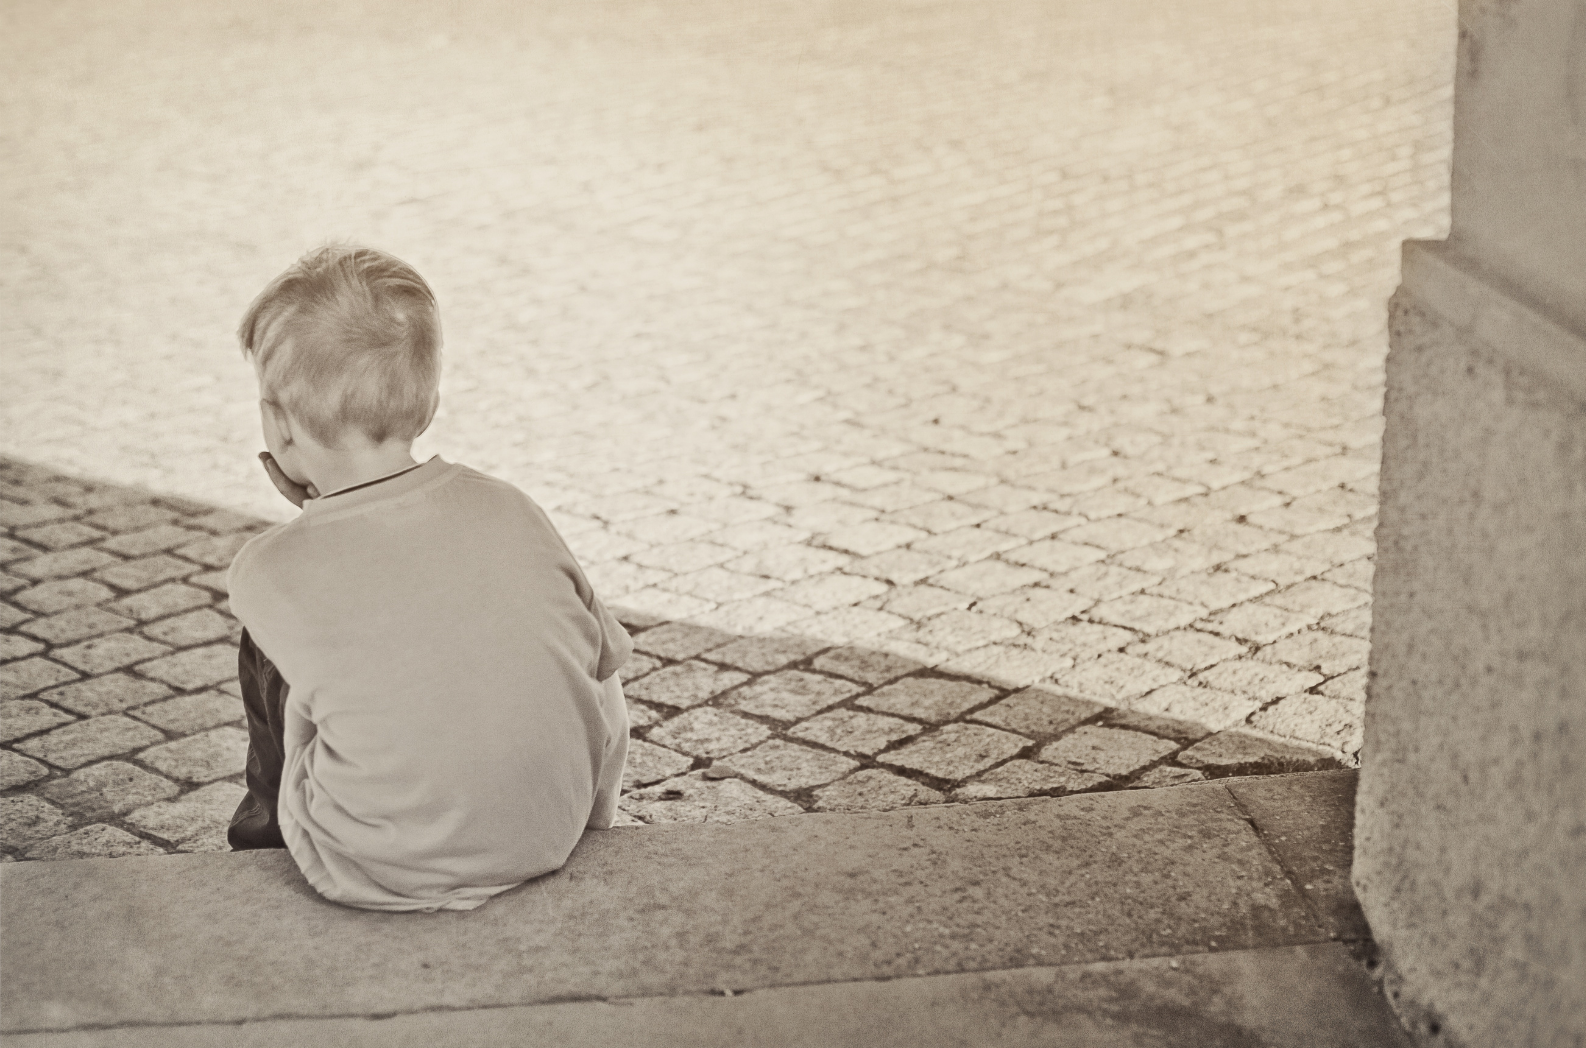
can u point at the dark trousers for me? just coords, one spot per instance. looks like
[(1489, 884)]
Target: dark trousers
[(255, 824)]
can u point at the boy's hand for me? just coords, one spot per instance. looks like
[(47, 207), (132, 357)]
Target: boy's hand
[(295, 493)]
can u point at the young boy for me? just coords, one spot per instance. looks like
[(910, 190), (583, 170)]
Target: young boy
[(434, 714)]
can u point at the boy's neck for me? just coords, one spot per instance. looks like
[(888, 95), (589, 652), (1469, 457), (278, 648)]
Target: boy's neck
[(341, 468)]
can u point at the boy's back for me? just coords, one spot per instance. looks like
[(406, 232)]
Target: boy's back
[(446, 727)]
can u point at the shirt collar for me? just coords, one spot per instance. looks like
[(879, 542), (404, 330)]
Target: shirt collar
[(367, 483), (354, 498)]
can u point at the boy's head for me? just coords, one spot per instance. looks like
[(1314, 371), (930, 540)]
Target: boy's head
[(347, 342)]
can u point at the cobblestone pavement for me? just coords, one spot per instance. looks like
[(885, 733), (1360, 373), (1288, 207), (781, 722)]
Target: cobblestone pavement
[(961, 399)]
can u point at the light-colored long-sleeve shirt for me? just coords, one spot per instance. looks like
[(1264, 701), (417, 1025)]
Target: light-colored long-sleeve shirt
[(453, 720)]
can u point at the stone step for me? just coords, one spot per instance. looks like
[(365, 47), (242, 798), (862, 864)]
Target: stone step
[(1291, 996), (822, 919)]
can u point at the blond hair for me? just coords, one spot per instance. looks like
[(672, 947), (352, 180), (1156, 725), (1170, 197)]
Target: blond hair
[(348, 337)]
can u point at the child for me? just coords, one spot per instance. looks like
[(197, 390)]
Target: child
[(446, 718)]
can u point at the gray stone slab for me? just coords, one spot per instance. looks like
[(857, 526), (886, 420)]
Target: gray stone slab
[(1308, 821), (1289, 997), (656, 910)]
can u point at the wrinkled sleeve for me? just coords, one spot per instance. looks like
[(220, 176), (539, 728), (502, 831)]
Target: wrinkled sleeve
[(615, 644)]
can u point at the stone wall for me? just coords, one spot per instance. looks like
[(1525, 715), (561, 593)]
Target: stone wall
[(1471, 832), (1519, 178), (1471, 813)]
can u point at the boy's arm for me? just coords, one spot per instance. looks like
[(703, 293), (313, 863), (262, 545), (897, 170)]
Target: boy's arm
[(615, 644), (608, 780)]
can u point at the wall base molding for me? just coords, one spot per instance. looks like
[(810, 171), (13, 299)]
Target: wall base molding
[(1482, 307)]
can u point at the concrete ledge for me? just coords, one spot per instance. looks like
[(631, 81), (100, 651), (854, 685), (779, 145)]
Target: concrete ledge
[(667, 911), (1308, 822), (1480, 306)]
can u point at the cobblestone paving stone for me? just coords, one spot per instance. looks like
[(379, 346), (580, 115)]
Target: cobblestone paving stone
[(958, 400)]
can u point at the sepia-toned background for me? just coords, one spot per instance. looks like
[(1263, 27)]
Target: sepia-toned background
[(1021, 343)]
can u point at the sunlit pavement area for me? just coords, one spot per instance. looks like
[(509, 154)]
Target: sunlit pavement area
[(959, 400)]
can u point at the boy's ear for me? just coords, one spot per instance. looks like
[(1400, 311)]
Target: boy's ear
[(277, 422)]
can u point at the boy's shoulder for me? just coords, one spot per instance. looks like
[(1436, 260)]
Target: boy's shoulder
[(483, 493), (474, 499), (486, 482), (249, 554)]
